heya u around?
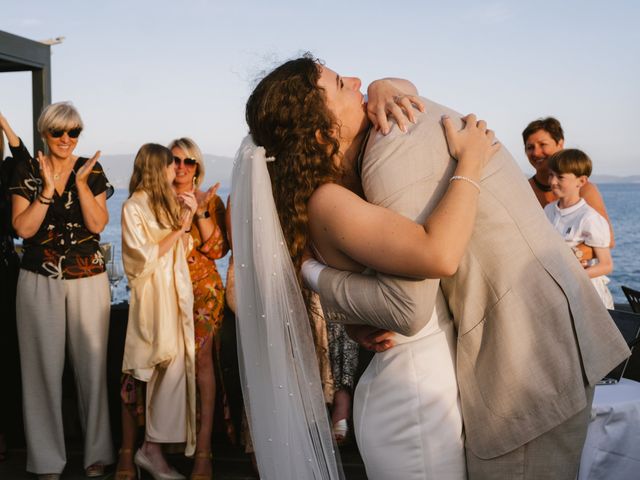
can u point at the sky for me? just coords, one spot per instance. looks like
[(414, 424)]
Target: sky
[(152, 70)]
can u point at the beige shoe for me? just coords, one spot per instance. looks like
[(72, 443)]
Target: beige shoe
[(142, 461)]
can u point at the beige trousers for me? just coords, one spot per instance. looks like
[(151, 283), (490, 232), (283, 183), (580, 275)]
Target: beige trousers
[(51, 315), (554, 455)]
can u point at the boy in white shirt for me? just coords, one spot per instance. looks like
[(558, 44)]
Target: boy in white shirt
[(576, 221)]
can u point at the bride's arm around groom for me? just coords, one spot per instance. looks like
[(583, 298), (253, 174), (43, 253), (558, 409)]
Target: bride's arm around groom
[(530, 328)]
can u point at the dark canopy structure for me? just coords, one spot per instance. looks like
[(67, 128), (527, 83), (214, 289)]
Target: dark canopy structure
[(19, 54)]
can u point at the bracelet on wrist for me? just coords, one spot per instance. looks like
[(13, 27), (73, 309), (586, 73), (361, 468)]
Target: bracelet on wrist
[(45, 197), (203, 215), (466, 179), (44, 200)]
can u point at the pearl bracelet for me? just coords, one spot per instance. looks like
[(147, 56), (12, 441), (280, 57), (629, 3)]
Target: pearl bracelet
[(466, 179)]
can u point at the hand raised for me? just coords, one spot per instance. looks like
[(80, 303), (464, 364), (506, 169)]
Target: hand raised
[(386, 100), (46, 173), (474, 144), (203, 201), (188, 201), (82, 175)]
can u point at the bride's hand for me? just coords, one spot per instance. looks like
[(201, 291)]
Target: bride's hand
[(473, 145), (391, 97)]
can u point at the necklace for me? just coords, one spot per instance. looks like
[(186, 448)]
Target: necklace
[(541, 186), (56, 176)]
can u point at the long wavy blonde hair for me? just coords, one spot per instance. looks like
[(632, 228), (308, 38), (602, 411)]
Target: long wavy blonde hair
[(149, 175)]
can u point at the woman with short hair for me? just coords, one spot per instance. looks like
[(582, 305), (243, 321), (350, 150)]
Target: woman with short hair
[(59, 209), (542, 138)]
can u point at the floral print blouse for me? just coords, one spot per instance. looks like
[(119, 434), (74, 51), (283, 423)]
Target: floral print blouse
[(63, 247)]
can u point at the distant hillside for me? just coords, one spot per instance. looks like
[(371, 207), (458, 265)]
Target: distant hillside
[(615, 179), (118, 169)]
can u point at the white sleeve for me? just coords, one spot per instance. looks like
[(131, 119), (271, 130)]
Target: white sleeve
[(310, 271), (549, 211), (595, 230)]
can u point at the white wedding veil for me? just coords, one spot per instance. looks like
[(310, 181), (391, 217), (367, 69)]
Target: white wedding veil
[(278, 367)]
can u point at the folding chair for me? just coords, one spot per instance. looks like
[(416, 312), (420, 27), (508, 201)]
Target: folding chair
[(633, 297)]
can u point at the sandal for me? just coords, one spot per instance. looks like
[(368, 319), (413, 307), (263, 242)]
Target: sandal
[(95, 470), (341, 431), (127, 474), (202, 476)]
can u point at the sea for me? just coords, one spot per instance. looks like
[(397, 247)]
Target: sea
[(622, 201)]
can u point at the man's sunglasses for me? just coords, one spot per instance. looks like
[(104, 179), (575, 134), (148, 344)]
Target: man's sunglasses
[(188, 162), (73, 133)]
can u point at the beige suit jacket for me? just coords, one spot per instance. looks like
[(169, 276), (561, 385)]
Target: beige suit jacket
[(531, 329)]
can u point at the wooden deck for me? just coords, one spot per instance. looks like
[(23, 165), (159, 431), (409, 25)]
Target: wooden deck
[(229, 463)]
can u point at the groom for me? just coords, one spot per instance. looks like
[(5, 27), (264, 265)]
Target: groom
[(533, 337)]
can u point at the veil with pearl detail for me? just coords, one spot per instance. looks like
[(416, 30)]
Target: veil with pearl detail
[(279, 372)]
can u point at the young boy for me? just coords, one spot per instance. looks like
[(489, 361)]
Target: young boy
[(576, 221)]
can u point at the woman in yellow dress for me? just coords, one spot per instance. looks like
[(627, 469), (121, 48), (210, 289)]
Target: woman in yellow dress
[(159, 345), (209, 244)]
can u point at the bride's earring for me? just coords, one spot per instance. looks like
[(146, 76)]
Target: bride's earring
[(195, 181)]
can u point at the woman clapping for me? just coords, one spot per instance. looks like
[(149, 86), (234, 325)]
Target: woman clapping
[(59, 209)]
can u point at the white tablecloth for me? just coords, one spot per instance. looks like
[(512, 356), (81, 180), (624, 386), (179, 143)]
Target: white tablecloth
[(612, 448)]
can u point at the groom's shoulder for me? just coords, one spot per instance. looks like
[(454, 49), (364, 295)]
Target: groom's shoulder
[(426, 131), (434, 110)]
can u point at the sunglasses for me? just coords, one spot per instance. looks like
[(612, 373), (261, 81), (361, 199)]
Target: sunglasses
[(73, 133), (188, 162)]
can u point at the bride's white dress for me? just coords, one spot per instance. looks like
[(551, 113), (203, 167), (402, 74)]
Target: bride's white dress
[(407, 416)]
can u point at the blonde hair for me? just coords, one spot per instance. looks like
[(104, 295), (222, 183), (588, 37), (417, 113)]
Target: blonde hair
[(192, 150), (59, 116), (149, 175)]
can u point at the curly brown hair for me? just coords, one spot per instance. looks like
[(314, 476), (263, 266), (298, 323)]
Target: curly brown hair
[(288, 116)]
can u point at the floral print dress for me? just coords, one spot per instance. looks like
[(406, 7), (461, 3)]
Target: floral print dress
[(208, 289), (208, 295)]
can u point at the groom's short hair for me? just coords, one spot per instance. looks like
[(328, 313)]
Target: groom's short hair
[(549, 124)]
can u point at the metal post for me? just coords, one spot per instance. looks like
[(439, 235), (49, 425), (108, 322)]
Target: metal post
[(41, 94)]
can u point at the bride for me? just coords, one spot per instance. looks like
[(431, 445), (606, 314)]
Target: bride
[(295, 185)]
